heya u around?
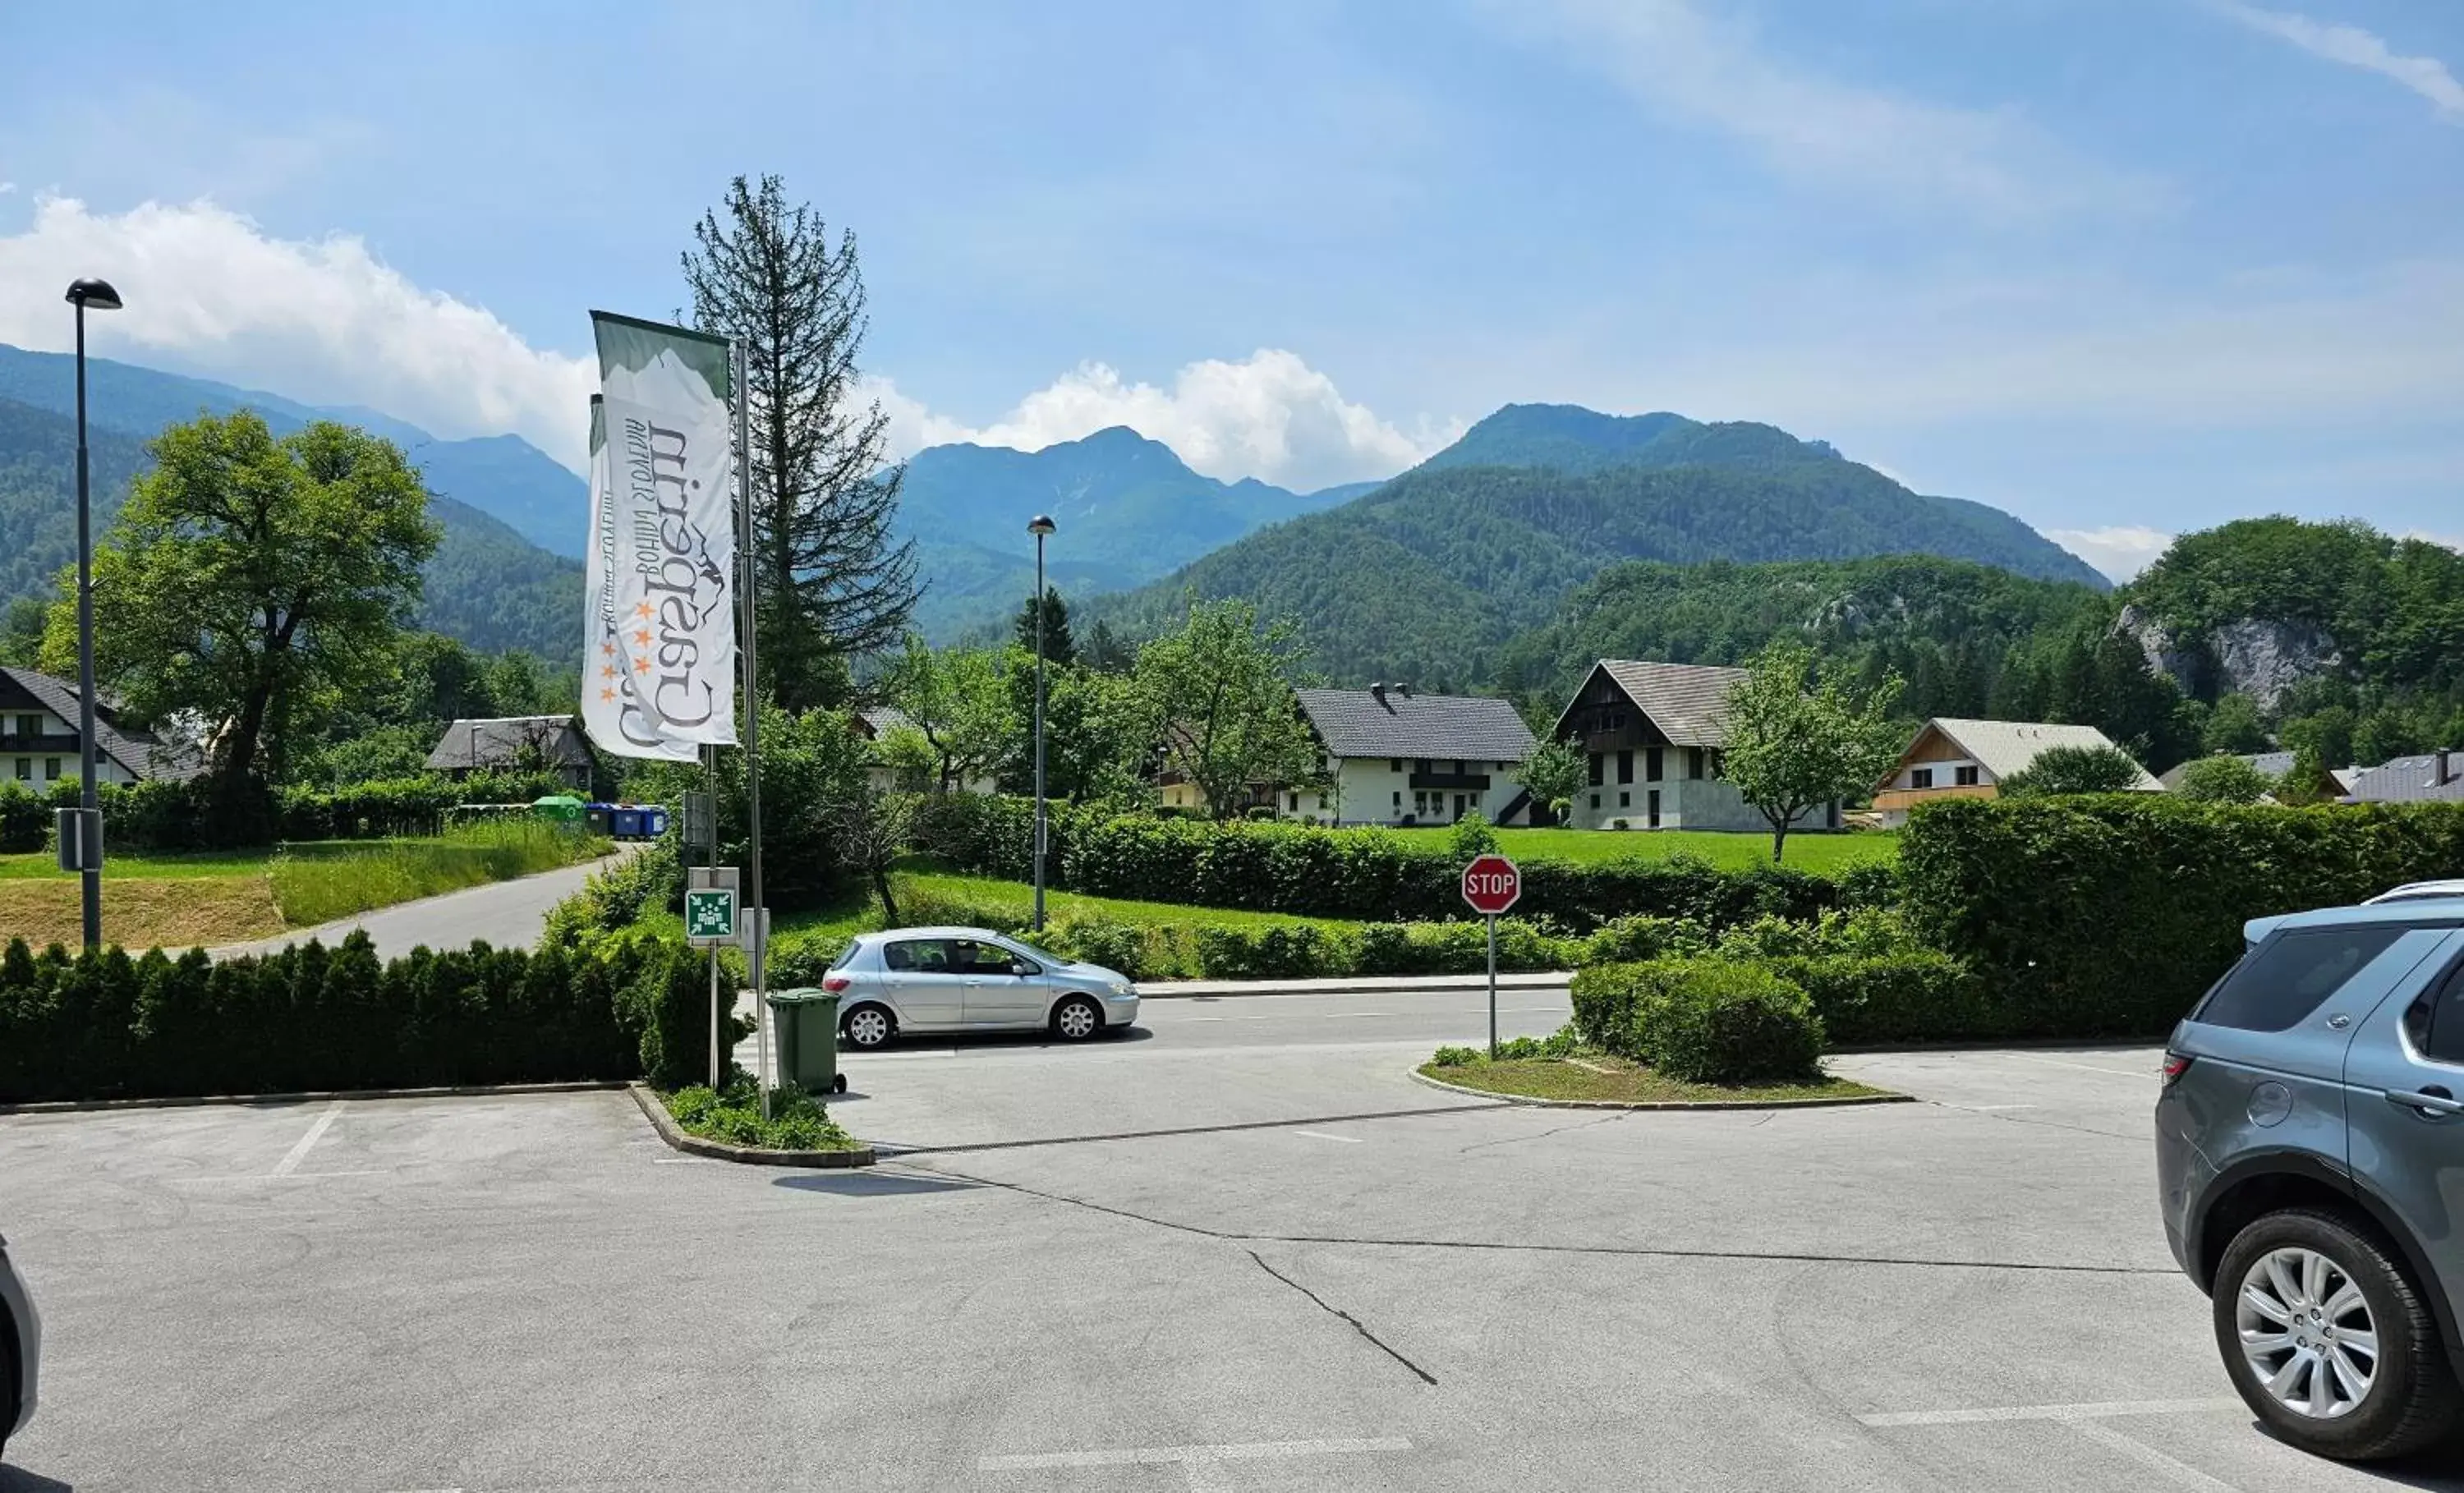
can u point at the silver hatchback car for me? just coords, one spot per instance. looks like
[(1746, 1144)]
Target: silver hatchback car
[(971, 979)]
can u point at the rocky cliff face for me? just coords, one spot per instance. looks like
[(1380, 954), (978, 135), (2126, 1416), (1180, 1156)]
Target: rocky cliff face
[(2255, 656)]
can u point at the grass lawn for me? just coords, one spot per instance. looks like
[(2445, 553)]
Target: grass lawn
[(220, 897), (1597, 1076), (1813, 852), (860, 913)]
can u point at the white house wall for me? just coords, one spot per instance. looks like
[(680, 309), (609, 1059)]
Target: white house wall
[(1685, 803), (1368, 790)]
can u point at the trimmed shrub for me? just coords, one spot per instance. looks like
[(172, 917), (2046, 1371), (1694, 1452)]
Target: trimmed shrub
[(1370, 875), (1096, 940), (1454, 1057), (1701, 1021), (311, 1017), (1643, 935), (24, 819), (1914, 996), (2109, 917)]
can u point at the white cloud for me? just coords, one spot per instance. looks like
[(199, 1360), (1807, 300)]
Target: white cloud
[(2354, 47), (1269, 415), (323, 320), (1858, 139), (2121, 552)]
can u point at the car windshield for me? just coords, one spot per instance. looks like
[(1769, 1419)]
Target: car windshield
[(1036, 954)]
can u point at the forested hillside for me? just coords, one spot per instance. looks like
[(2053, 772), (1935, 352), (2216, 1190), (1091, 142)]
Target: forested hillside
[(1431, 574)]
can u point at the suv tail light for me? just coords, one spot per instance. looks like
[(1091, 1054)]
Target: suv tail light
[(835, 984), (2176, 1063)]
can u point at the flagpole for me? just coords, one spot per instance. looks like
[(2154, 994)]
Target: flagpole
[(738, 369)]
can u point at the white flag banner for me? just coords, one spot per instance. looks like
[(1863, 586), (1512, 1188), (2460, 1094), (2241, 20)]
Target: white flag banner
[(611, 712), (671, 522)]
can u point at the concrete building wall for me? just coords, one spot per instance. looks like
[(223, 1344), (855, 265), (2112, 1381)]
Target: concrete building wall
[(1372, 791)]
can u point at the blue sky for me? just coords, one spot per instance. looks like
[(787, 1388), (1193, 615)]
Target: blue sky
[(2123, 267)]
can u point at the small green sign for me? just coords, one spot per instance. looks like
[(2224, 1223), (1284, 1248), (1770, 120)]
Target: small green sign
[(710, 914)]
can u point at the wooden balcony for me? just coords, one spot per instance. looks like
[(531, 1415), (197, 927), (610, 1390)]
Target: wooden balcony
[(1900, 799)]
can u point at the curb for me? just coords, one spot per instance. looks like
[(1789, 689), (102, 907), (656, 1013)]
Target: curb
[(184, 1102), (1708, 1104), (1396, 985), (752, 1156)]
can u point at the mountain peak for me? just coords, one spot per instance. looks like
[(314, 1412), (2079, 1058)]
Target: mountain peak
[(1572, 438)]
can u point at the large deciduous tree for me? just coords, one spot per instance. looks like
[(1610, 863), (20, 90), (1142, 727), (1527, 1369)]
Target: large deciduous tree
[(2073, 769), (1219, 699), (1554, 775), (835, 581), (1795, 744), (252, 583), (961, 702)]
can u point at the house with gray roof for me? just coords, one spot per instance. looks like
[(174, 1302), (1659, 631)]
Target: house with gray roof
[(2432, 777), (1395, 755), (515, 743), (1653, 733), (38, 737), (1953, 759)]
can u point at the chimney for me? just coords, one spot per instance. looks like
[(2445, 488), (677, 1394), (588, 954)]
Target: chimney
[(1406, 687), (2440, 779), (1378, 690)]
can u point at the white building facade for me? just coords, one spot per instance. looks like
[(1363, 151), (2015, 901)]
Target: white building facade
[(1398, 757)]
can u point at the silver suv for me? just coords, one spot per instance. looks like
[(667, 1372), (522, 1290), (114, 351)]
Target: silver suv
[(2310, 1160), (971, 979)]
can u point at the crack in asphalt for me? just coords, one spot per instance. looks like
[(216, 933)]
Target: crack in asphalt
[(1374, 1340), (1624, 1251), (1560, 1129)]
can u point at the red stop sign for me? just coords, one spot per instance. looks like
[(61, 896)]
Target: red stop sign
[(1491, 883)]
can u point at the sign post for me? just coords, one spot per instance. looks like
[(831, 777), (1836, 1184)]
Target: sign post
[(1492, 883), (709, 921)]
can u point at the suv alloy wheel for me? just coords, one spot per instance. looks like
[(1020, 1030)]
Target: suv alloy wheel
[(2328, 1342)]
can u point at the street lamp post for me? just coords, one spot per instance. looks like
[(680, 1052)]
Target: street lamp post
[(99, 297), (1041, 525)]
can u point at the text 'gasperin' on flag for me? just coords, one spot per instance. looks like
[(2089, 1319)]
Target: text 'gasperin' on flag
[(612, 707), (670, 532)]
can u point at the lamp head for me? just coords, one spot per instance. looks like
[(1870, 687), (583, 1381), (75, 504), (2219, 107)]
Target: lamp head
[(94, 296), (1039, 525)]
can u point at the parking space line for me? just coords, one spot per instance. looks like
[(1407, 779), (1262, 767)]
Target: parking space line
[(2084, 1067), (2099, 1411), (1348, 1140), (2180, 1472), (299, 1149), (1154, 1456)]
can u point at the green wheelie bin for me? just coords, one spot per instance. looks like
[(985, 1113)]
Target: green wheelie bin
[(805, 1023)]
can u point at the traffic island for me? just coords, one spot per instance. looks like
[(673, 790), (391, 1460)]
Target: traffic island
[(728, 1127), (1600, 1081)]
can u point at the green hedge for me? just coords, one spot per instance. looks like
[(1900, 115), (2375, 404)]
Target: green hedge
[(1704, 1021), (194, 814), (1365, 874), (1907, 998), (2108, 916), (103, 1025), (24, 819)]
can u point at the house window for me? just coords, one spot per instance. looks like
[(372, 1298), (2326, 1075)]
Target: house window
[(1459, 767), (1921, 778), (1595, 797), (1964, 777), (1395, 764), (1625, 767), (29, 725), (1652, 807), (1293, 803), (1321, 801), (51, 769), (1652, 761), (1625, 801), (1398, 799), (1596, 779), (1693, 762), (26, 770)]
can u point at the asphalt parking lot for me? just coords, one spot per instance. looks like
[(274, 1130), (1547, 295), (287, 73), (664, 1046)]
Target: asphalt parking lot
[(1255, 1285)]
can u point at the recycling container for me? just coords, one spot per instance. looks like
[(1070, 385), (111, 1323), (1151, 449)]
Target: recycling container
[(804, 1023), (627, 822)]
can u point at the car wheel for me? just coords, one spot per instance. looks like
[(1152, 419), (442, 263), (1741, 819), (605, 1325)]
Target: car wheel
[(868, 1026), (1077, 1018), (2328, 1342)]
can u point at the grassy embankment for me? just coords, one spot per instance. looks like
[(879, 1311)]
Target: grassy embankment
[(1728, 851)]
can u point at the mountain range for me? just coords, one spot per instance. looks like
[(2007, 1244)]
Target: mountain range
[(492, 582), (1125, 508), (1426, 575), (1429, 574)]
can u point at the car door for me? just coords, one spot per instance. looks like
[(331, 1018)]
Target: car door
[(2405, 1073), (997, 993), (925, 990)]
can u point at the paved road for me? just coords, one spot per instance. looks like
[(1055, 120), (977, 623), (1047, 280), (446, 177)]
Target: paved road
[(510, 914), (532, 1295)]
